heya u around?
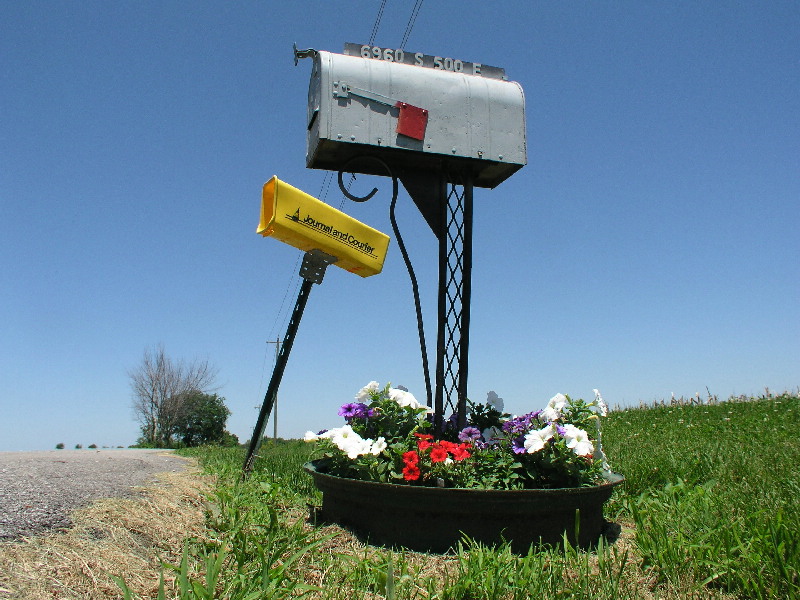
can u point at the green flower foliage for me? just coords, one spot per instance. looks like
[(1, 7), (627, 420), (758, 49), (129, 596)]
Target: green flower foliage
[(390, 438)]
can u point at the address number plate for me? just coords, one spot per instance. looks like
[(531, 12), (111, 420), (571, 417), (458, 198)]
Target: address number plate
[(418, 59)]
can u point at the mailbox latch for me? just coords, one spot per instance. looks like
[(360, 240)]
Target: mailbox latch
[(412, 120)]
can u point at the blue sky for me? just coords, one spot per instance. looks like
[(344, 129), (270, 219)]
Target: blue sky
[(649, 247)]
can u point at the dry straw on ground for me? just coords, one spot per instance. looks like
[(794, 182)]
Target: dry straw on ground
[(127, 538), (130, 538)]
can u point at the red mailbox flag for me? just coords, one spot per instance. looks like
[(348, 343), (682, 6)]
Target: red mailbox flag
[(412, 121)]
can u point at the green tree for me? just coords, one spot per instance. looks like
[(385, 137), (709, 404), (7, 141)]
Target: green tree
[(160, 386), (202, 420)]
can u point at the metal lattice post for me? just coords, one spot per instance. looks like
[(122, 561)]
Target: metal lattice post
[(455, 290)]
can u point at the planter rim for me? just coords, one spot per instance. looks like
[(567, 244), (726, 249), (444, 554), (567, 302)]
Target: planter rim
[(612, 480)]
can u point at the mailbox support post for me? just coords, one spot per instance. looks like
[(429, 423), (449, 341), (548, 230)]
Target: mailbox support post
[(455, 290), (444, 199)]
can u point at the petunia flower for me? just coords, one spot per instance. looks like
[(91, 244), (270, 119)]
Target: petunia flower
[(600, 403), (438, 454), (411, 472), (343, 431), (578, 440), (424, 444), (404, 398), (492, 435), (410, 457), (366, 392), (469, 434), (354, 410), (378, 446), (523, 424), (495, 401), (518, 445), (460, 452), (552, 412), (352, 444), (535, 440)]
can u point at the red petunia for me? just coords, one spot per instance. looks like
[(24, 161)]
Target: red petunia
[(423, 436), (423, 445), (438, 454), (460, 452), (410, 458), (410, 472), (448, 445)]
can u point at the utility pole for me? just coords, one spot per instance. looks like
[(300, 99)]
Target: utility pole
[(275, 413)]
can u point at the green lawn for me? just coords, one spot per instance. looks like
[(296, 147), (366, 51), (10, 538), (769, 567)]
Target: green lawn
[(710, 509)]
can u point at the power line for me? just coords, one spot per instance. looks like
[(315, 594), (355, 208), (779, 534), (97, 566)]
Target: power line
[(411, 20), (377, 23)]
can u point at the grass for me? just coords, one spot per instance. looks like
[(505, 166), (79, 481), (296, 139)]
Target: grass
[(714, 491), (710, 509)]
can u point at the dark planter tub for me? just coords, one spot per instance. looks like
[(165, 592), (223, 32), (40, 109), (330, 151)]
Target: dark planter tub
[(429, 519)]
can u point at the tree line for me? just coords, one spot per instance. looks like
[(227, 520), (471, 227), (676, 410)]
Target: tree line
[(174, 403)]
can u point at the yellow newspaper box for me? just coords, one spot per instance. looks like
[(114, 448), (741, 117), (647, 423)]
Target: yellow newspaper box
[(292, 216)]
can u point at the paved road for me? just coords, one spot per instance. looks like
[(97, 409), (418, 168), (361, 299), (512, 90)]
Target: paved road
[(38, 490)]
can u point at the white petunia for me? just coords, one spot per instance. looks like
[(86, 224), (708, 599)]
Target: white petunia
[(552, 412), (378, 446), (535, 440), (495, 401), (310, 436), (343, 432), (600, 403), (492, 435), (366, 392), (356, 447), (578, 440), (404, 398), (351, 443)]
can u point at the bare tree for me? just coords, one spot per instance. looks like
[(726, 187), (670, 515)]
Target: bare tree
[(160, 388)]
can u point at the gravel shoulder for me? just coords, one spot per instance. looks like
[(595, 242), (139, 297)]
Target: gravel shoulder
[(39, 490)]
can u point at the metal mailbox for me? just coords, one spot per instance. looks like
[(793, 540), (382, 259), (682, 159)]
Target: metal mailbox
[(413, 111)]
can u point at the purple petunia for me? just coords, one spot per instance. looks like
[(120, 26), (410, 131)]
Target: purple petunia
[(469, 434), (355, 410), (518, 445), (523, 424)]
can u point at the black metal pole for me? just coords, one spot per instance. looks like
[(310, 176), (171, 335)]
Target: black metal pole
[(277, 375), (466, 299), (312, 271), (441, 311)]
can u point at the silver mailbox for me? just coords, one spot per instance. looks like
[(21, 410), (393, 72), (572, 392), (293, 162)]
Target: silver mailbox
[(413, 111)]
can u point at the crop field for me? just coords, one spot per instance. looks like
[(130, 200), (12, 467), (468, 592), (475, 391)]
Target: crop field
[(710, 509)]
